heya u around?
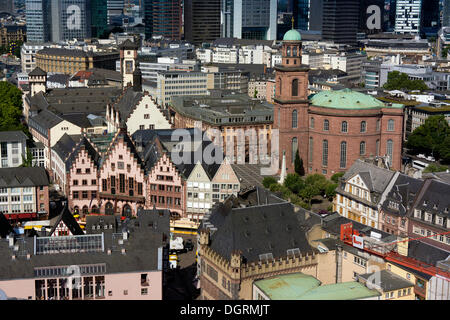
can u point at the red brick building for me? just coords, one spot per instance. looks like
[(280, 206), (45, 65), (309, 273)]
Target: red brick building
[(333, 128)]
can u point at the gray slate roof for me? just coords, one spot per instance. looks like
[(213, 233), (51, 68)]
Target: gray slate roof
[(141, 248), (388, 280), (403, 193), (68, 219), (23, 177), (374, 177), (8, 136), (256, 230)]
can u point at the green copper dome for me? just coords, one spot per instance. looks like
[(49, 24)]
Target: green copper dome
[(348, 99), (292, 35)]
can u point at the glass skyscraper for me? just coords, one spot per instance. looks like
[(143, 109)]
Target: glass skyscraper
[(99, 17), (249, 19), (163, 18), (70, 19), (37, 17)]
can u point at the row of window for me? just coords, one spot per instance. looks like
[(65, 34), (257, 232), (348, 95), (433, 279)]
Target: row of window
[(343, 151), (344, 124), (84, 194), (165, 200), (162, 187)]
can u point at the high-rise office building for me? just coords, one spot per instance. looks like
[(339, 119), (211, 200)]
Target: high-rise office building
[(38, 20), (300, 13), (371, 16), (167, 18), (115, 8), (407, 18), (316, 15), (391, 11), (249, 19), (446, 14), (340, 21), (70, 19), (430, 20), (7, 6), (201, 20), (148, 18), (99, 17)]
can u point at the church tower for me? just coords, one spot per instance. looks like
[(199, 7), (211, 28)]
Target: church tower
[(128, 58), (291, 101)]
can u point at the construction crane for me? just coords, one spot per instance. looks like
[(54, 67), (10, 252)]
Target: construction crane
[(388, 252)]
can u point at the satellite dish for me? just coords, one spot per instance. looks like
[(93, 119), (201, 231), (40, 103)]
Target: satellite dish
[(3, 295)]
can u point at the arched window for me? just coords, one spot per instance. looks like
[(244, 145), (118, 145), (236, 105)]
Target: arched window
[(312, 123), (390, 126), (294, 51), (390, 150), (294, 148), (311, 149), (109, 208), (343, 162), (325, 153), (362, 148), (294, 119), (363, 126), (378, 124), (94, 209), (126, 212), (288, 53), (281, 86), (85, 210), (344, 126), (76, 210), (326, 125), (295, 87)]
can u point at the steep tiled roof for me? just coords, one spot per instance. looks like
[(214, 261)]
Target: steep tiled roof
[(6, 136), (256, 230), (23, 177), (68, 219)]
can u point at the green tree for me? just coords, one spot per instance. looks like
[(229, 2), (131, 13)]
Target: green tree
[(433, 137), (400, 81), (330, 190), (294, 182), (435, 168), (298, 165), (255, 94), (268, 181), (10, 108), (318, 181), (335, 177), (28, 160), (309, 192)]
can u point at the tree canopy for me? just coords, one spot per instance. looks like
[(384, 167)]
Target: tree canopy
[(400, 81), (10, 108), (432, 138)]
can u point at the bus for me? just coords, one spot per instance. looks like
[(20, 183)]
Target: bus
[(184, 226), (419, 165)]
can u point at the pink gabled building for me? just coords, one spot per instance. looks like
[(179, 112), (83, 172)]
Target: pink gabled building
[(83, 178), (166, 187), (121, 177)]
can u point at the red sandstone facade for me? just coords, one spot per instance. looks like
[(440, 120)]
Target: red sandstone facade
[(316, 132)]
